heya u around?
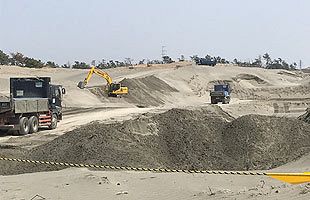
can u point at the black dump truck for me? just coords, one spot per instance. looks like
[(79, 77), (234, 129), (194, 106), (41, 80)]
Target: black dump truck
[(205, 61), (221, 93), (33, 103)]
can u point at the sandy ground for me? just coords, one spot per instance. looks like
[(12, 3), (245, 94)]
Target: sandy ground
[(82, 183), (258, 91)]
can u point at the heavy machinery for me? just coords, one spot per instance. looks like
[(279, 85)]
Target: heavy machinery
[(113, 89), (205, 61), (221, 93), (33, 103)]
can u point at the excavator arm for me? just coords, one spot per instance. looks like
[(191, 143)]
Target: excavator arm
[(100, 73), (114, 89)]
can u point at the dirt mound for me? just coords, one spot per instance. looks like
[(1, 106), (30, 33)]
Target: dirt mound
[(296, 74), (305, 117), (241, 91), (147, 91), (174, 139), (178, 139), (263, 142), (255, 80), (238, 91)]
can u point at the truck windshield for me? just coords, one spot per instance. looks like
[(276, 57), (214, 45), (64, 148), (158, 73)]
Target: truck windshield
[(221, 88)]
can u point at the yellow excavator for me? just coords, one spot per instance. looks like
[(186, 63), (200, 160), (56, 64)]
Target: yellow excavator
[(113, 89)]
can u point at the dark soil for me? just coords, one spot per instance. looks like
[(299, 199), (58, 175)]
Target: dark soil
[(305, 117), (261, 142), (176, 139)]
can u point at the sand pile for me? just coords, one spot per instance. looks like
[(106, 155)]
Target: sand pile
[(147, 91), (264, 142), (305, 117), (254, 80), (242, 91), (177, 139)]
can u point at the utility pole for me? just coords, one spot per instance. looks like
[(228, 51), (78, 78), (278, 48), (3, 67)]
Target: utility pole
[(163, 51), (300, 64)]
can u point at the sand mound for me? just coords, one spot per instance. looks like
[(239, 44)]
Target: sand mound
[(262, 142), (255, 80), (248, 92), (305, 117), (174, 139), (178, 139), (296, 74), (238, 90), (147, 91)]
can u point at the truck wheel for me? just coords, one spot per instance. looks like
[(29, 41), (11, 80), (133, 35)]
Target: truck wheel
[(54, 122), (213, 101), (23, 126), (34, 124)]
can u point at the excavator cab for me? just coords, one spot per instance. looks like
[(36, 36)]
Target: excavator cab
[(115, 86), (116, 89)]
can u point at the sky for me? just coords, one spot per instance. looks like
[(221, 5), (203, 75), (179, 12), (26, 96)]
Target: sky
[(68, 30)]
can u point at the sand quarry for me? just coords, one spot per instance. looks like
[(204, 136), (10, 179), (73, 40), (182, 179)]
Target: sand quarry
[(166, 121)]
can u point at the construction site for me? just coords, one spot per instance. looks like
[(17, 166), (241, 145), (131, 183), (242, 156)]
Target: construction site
[(154, 100), (162, 117)]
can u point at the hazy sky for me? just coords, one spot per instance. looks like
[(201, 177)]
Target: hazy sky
[(68, 30)]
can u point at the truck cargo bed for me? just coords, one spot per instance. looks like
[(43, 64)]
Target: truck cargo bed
[(30, 105)]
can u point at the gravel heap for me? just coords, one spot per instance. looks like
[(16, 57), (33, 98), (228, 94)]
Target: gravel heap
[(305, 117), (265, 142), (177, 139)]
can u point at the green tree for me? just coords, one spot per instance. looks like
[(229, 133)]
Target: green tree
[(235, 61), (33, 63), (258, 62), (18, 59), (102, 64), (167, 60), (141, 62), (51, 64), (293, 66), (80, 65), (182, 58), (4, 58), (65, 66), (267, 58)]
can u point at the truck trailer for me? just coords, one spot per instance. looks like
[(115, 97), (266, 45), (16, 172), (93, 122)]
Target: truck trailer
[(33, 103)]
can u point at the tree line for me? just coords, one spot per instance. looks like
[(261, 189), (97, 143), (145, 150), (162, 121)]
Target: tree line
[(267, 62), (264, 61), (21, 60)]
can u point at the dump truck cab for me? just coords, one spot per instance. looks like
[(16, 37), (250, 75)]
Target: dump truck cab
[(55, 97), (221, 93)]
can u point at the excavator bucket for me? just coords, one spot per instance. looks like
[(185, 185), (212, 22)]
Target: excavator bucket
[(81, 85)]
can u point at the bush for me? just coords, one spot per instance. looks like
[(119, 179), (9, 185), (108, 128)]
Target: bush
[(4, 58)]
